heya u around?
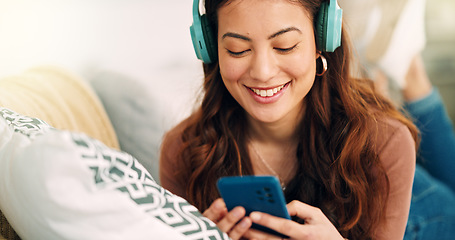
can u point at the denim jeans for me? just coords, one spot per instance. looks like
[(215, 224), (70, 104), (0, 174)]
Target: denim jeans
[(432, 212), (437, 147)]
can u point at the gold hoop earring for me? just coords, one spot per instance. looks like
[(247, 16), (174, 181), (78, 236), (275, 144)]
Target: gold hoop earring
[(324, 65)]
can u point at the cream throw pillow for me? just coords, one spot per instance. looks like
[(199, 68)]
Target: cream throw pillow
[(60, 98)]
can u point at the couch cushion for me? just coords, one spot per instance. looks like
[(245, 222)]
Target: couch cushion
[(67, 185), (60, 98), (136, 115)]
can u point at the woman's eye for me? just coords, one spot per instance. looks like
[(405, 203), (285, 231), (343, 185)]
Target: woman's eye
[(286, 50), (237, 54)]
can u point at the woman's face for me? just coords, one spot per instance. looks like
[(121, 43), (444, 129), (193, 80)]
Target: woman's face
[(267, 56)]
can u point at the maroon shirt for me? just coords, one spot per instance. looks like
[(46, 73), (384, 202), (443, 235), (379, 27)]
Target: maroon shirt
[(394, 145)]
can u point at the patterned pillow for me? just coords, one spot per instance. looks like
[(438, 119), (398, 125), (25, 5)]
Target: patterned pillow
[(66, 185)]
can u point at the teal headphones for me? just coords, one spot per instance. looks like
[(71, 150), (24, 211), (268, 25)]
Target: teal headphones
[(328, 31)]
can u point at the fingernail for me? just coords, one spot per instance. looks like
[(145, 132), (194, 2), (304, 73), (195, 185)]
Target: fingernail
[(255, 216)]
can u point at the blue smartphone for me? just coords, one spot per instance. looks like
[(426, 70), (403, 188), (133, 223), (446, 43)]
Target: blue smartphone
[(255, 193)]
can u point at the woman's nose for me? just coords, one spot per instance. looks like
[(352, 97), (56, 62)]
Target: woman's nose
[(263, 66)]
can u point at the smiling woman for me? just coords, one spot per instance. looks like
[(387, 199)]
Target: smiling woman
[(279, 100), (258, 56)]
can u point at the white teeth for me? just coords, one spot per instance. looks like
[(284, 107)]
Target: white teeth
[(268, 92)]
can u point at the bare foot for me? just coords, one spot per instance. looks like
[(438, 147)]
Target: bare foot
[(417, 83)]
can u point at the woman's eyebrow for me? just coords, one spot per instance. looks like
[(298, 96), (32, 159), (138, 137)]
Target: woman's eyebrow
[(289, 29), (236, 35), (239, 36)]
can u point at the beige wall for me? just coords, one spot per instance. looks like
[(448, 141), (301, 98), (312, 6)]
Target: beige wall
[(439, 54)]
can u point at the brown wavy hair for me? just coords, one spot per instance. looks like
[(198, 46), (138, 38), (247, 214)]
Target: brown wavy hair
[(338, 168)]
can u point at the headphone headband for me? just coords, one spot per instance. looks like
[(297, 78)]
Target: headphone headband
[(328, 29)]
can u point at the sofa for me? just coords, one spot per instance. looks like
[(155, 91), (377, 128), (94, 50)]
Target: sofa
[(64, 173)]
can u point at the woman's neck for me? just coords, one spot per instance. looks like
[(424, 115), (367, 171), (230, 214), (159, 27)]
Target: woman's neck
[(279, 132), (272, 148)]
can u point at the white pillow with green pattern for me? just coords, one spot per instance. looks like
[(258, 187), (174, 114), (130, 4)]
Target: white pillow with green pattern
[(63, 185)]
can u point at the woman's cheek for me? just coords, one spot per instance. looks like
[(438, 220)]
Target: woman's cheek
[(232, 69), (301, 65)]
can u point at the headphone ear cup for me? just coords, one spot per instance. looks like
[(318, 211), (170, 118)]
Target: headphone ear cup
[(211, 44), (321, 28), (328, 26), (201, 36)]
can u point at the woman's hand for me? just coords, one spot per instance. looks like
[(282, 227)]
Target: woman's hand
[(316, 226), (228, 221)]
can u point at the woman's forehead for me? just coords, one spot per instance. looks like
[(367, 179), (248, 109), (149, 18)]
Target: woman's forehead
[(253, 6), (247, 11)]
